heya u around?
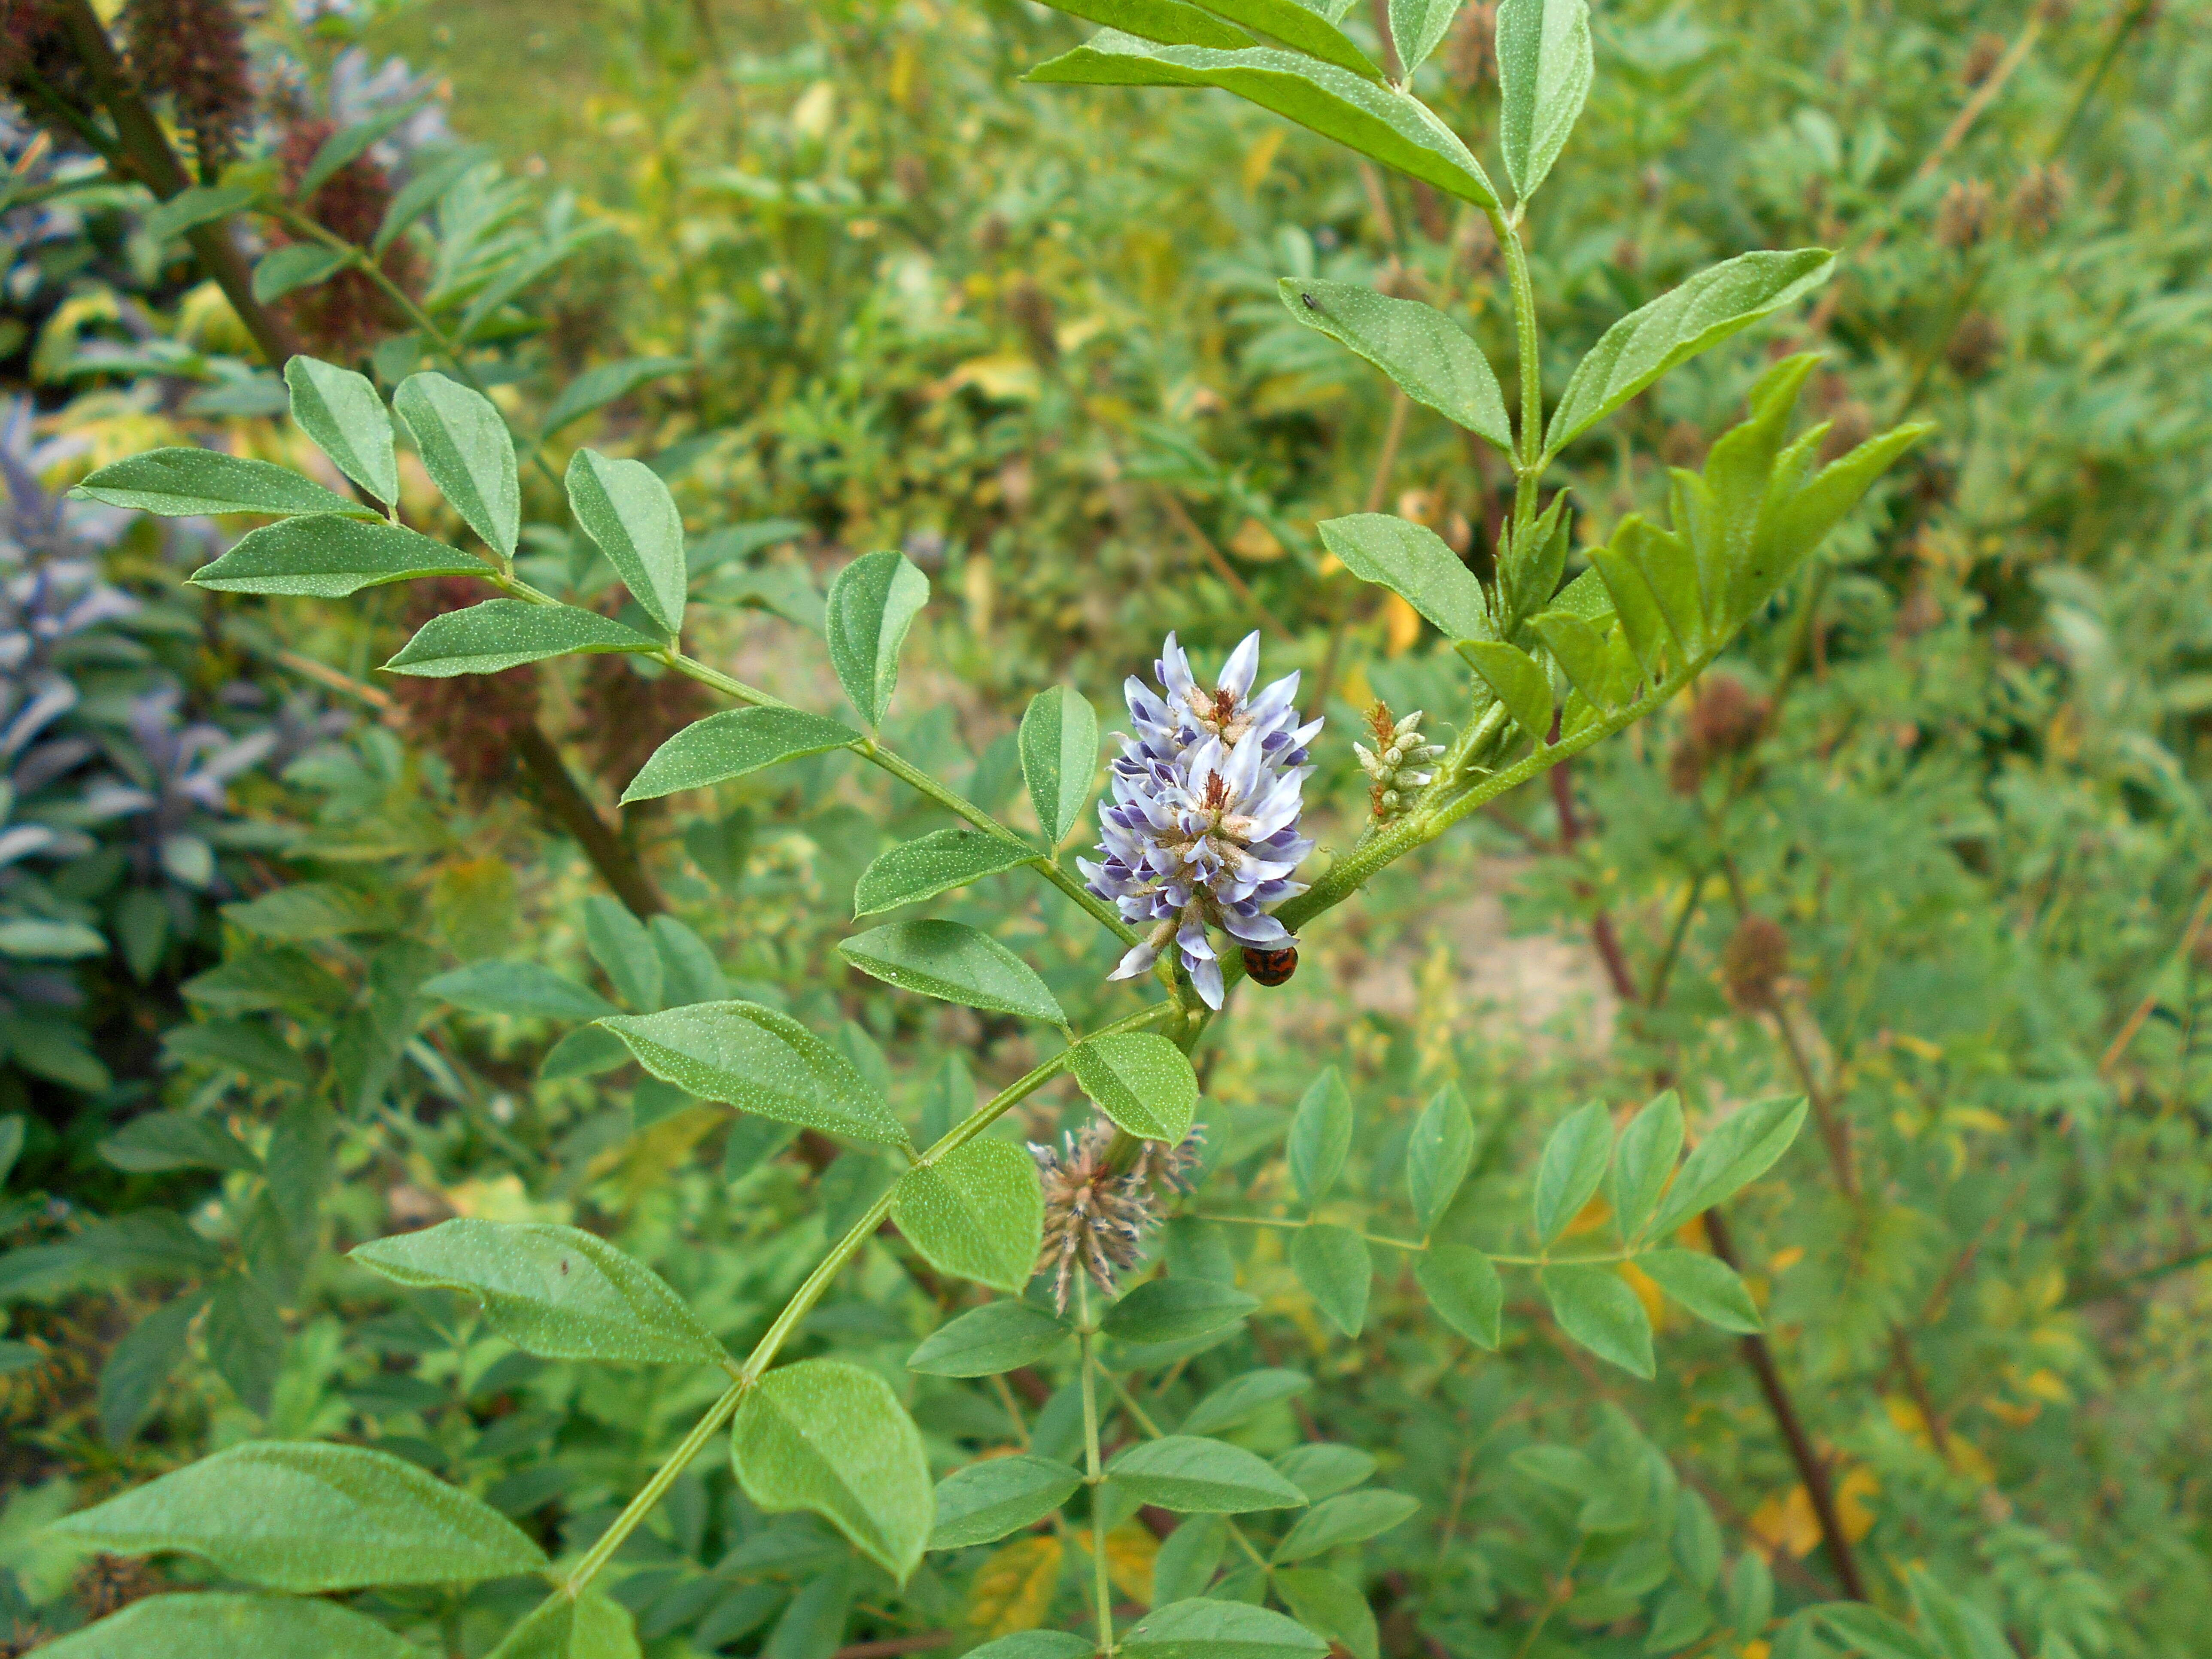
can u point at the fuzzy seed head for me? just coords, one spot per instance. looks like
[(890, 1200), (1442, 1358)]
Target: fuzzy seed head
[(1095, 1219)]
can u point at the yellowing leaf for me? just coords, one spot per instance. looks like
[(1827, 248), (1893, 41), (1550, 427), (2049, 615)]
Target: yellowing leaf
[(1647, 1292), (1131, 1549), (1852, 1492), (1787, 1522), (1013, 1590), (1402, 624)]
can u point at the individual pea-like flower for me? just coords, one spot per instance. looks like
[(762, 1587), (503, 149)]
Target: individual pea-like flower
[(1096, 1216), (1396, 762), (1201, 830)]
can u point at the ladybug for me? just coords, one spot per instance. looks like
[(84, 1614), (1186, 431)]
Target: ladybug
[(1273, 965)]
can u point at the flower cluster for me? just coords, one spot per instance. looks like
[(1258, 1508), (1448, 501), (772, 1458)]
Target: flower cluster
[(1202, 828), (1395, 762), (1096, 1216)]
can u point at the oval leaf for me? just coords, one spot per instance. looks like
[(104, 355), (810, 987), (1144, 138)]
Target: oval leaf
[(1645, 1162), (468, 452), (1242, 1398), (626, 509), (184, 483), (1597, 1308), (1572, 1167), (1384, 125), (978, 1213), (587, 1627), (1706, 1285), (1321, 1136), (1738, 1152), (1141, 1081), (828, 1436), (731, 745), (306, 1517), (1205, 1629), (326, 555), (503, 633), (1461, 1284), (1413, 562), (341, 412), (758, 1061), (556, 1292), (1196, 1476), (1438, 1153), (1335, 1266), (1521, 685), (1295, 24), (1351, 1519), (939, 862), (1060, 753), (1176, 1311), (1423, 351), (984, 1502), (871, 606), (1417, 28), (288, 269), (955, 963), (518, 987), (220, 1624), (1544, 70), (995, 1338), (1678, 325)]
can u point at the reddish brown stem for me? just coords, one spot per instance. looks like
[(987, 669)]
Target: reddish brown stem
[(1811, 1470), (565, 802)]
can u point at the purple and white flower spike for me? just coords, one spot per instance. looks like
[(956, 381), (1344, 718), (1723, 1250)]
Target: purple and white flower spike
[(1202, 828)]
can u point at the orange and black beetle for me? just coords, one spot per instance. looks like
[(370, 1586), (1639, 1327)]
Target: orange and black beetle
[(1271, 966)]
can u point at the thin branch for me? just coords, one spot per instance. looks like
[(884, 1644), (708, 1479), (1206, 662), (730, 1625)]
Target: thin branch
[(2142, 1010), (1219, 563)]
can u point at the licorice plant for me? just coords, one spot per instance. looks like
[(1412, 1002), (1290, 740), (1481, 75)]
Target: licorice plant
[(1204, 878)]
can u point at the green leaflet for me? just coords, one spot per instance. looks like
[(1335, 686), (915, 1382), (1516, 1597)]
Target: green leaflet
[(1242, 1398), (956, 963), (1300, 27), (1545, 64), (1334, 1265), (977, 1213), (595, 388), (1437, 1156), (587, 1627), (1321, 1136), (1463, 1287), (986, 1501), (1644, 1161), (1413, 562), (871, 606), (1417, 28), (329, 556), (626, 509), (1208, 1629), (1595, 1306), (224, 1624), (1352, 1518), (1519, 684), (1422, 350), (824, 1436), (1169, 21), (731, 744), (175, 483), (1141, 1081), (309, 1517), (1330, 1605), (503, 633), (527, 989), (1705, 1285), (1676, 326), (1737, 1151), (1191, 1475), (288, 269), (195, 205), (937, 863), (1176, 1311), (999, 1336), (758, 1061), (556, 1291), (1060, 753), (468, 454), (1570, 1169), (343, 413), (1387, 126)]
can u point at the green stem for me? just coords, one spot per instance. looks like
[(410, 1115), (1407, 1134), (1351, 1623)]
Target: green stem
[(1529, 464), (803, 1300), (1094, 1476)]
